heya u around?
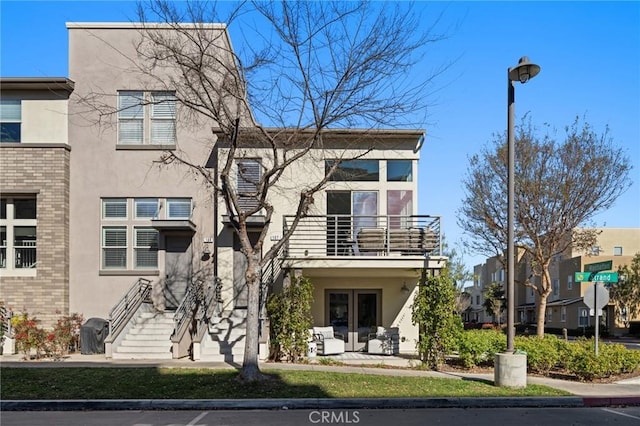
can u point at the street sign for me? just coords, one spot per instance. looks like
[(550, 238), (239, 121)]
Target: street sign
[(603, 277), (596, 296), (607, 265)]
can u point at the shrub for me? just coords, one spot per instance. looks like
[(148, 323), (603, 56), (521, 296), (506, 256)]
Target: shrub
[(477, 347), (65, 335), (612, 359), (29, 336), (542, 354), (290, 320)]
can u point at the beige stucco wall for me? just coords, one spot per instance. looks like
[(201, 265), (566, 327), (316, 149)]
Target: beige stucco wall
[(99, 63), (44, 121)]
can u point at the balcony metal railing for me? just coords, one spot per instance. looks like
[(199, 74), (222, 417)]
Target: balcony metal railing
[(345, 235)]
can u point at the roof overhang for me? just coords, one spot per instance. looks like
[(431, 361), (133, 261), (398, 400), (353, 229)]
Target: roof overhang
[(54, 84)]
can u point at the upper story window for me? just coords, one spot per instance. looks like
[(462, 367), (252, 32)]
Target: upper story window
[(248, 175), (10, 120), (399, 171), (114, 208), (617, 251), (179, 208), (146, 118), (354, 170), (146, 208), (18, 236)]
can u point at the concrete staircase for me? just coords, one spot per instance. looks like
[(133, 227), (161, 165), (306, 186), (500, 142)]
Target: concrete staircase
[(226, 338), (149, 338)]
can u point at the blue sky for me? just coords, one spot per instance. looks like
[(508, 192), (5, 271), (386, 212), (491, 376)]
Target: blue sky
[(589, 53)]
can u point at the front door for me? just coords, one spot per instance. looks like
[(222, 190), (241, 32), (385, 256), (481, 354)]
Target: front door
[(240, 290), (354, 314), (178, 269)]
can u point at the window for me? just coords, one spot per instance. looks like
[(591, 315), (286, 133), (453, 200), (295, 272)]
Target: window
[(617, 251), (146, 248), (569, 282), (354, 170), (501, 275), (146, 118), (563, 314), (477, 299), (114, 208), (114, 247), (248, 175), (179, 208), (146, 208), (18, 234), (583, 317), (10, 120), (556, 286), (549, 315), (128, 240), (399, 203), (399, 171)]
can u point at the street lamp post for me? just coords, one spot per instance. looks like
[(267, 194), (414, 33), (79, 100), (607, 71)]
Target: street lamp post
[(510, 369), (522, 72)]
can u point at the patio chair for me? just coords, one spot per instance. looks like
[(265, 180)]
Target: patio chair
[(329, 343), (385, 341)]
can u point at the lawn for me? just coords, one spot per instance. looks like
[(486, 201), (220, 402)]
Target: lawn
[(192, 383)]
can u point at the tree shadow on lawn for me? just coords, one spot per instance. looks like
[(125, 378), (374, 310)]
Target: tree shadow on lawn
[(147, 383)]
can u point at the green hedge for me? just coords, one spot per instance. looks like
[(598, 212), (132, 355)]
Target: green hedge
[(478, 347)]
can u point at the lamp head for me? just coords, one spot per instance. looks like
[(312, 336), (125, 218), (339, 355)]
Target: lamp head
[(524, 71)]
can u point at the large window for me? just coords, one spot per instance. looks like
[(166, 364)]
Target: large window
[(583, 317), (354, 170), (128, 241), (18, 233), (10, 120), (146, 118), (248, 174)]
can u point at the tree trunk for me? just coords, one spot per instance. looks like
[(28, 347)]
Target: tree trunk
[(544, 295), (250, 371)]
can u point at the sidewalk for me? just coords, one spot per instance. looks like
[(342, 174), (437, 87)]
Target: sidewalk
[(624, 392)]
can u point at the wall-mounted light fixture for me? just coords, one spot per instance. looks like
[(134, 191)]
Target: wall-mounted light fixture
[(405, 289)]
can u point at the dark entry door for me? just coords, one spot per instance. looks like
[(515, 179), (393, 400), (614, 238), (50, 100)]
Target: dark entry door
[(354, 314), (178, 269), (240, 290)]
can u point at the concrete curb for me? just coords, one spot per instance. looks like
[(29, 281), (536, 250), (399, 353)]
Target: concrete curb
[(312, 403)]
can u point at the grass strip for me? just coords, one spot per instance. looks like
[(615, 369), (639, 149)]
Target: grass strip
[(195, 383)]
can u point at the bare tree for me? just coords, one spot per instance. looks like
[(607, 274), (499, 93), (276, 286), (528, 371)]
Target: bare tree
[(559, 187), (494, 301), (306, 69)]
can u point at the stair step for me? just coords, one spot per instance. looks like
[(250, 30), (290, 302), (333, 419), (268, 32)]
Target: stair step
[(147, 349), (118, 355), (127, 341), (154, 325), (151, 331)]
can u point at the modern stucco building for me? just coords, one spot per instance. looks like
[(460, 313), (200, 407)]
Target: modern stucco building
[(147, 240)]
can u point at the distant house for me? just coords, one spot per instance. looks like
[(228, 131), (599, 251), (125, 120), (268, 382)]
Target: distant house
[(565, 305)]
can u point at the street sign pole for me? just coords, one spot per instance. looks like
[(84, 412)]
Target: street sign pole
[(595, 302)]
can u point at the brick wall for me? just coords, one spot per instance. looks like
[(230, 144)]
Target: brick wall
[(43, 170)]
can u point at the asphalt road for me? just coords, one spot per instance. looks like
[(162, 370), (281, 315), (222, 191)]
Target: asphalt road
[(620, 416)]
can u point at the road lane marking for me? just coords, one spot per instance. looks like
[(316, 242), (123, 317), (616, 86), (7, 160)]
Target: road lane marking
[(620, 414)]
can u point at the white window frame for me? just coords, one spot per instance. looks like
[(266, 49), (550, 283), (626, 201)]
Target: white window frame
[(139, 248), (171, 202), (105, 247), (150, 116), (139, 202), (107, 202), (563, 314), (549, 314), (617, 250), (12, 251), (556, 287)]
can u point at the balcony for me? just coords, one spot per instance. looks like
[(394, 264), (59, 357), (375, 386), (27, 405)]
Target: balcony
[(344, 239)]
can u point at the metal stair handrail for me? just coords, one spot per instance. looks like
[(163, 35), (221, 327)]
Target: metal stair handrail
[(187, 308), (126, 307)]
